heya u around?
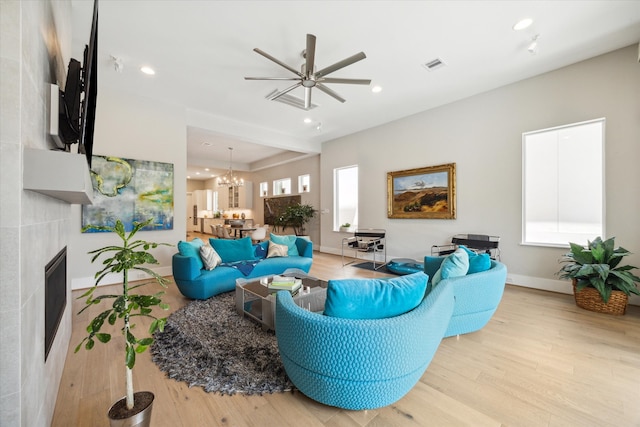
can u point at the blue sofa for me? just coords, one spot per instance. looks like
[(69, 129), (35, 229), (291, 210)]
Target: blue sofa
[(369, 363), (360, 363), (195, 282), (477, 295)]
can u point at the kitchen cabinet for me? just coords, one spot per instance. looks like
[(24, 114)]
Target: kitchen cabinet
[(203, 200), (236, 197)]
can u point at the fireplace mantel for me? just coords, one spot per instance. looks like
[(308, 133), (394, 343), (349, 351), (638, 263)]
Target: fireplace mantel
[(58, 174)]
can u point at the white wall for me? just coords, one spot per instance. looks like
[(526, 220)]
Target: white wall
[(135, 128), (482, 135), (310, 166)]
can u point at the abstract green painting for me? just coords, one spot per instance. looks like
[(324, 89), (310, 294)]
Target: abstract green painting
[(131, 191)]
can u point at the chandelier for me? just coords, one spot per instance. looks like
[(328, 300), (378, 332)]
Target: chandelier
[(230, 179)]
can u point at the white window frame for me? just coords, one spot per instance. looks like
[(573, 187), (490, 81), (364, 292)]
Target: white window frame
[(563, 184), (264, 189), (282, 184), (302, 181), (345, 191)]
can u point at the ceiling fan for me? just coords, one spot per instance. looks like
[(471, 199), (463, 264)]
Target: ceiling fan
[(308, 78)]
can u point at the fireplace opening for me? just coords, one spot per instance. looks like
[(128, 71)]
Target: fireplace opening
[(55, 297)]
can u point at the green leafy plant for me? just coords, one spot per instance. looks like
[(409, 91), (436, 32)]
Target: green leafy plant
[(345, 225), (131, 255), (296, 216), (597, 265)]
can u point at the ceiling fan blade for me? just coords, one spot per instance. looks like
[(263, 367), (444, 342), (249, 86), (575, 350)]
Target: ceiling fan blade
[(307, 98), (329, 92), (272, 78), (340, 64), (310, 54), (282, 92), (280, 63), (347, 81)]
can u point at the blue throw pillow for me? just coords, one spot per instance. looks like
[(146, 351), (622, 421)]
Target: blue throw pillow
[(233, 250), (192, 249), (289, 241), (477, 262), (260, 250), (375, 298), (454, 265)]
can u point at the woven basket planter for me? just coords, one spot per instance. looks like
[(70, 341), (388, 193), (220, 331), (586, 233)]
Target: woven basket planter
[(590, 299)]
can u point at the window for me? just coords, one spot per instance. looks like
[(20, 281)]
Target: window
[(303, 183), (282, 186), (345, 203), (563, 184), (264, 189)]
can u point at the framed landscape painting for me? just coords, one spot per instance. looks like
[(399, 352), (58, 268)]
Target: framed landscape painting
[(428, 192)]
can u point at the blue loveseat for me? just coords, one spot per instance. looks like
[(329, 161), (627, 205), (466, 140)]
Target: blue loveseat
[(196, 282), (477, 295), (359, 362)]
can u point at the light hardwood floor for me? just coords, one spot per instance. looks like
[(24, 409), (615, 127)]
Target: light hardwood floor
[(540, 361)]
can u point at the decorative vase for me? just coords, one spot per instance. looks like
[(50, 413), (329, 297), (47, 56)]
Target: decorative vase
[(139, 416), (590, 299)]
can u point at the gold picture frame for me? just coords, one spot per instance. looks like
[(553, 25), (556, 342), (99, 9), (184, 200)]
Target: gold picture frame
[(428, 192)]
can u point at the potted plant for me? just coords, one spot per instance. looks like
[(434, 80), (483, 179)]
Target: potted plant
[(121, 259), (345, 227), (297, 215), (599, 283)]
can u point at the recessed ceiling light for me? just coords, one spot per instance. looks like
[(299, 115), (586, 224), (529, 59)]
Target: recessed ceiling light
[(307, 120), (148, 70), (188, 176), (522, 24), (376, 89), (197, 173), (206, 169)]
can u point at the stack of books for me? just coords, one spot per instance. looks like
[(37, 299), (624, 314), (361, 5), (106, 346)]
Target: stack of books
[(282, 283)]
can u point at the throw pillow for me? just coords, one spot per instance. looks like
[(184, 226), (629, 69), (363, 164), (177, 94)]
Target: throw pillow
[(454, 265), (233, 250), (374, 298), (289, 241), (276, 250), (260, 251), (210, 257), (192, 249), (477, 262)]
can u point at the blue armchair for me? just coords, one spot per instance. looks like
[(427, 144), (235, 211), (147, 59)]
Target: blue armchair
[(360, 363)]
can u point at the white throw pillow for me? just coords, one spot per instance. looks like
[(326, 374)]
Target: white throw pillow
[(276, 250), (210, 257)]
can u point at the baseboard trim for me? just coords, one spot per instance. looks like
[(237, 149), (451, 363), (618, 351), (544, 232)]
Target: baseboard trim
[(551, 285)]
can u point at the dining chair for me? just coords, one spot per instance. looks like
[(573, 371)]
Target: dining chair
[(259, 234)]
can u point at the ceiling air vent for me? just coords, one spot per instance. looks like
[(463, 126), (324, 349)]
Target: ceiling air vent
[(294, 101), (434, 64)]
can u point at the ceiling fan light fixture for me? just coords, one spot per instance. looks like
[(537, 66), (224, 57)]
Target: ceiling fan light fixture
[(308, 78)]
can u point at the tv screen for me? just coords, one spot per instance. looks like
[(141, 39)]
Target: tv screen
[(90, 78)]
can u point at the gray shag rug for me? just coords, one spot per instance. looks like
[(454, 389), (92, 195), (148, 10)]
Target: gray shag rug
[(208, 344)]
